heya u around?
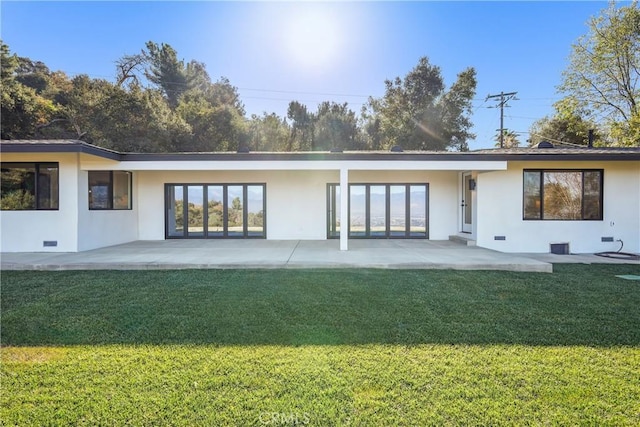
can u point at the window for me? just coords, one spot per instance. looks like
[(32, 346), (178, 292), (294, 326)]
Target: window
[(109, 190), (29, 186), (215, 210), (380, 211), (562, 195)]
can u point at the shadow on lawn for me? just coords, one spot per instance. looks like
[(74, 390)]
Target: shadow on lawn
[(577, 305)]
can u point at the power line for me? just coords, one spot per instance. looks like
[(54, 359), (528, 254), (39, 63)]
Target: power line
[(504, 98)]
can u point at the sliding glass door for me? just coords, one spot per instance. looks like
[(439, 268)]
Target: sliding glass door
[(215, 211), (381, 211)]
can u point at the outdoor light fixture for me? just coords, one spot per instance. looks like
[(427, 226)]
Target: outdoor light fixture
[(472, 184)]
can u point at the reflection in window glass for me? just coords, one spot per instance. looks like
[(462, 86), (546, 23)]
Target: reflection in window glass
[(18, 182), (175, 216), (235, 211), (195, 210), (357, 210), (99, 190), (562, 194), (215, 210), (378, 210), (381, 210), (532, 201), (397, 211), (418, 211), (121, 190), (255, 210), (592, 195)]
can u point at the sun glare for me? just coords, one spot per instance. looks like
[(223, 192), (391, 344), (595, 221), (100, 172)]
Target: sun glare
[(313, 37)]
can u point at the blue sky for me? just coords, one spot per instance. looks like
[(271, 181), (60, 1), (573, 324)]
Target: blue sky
[(312, 52)]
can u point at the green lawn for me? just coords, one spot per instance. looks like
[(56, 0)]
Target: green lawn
[(321, 347)]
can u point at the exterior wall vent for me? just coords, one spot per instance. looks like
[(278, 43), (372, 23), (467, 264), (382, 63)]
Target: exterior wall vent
[(559, 248), (50, 243), (606, 239), (499, 237)]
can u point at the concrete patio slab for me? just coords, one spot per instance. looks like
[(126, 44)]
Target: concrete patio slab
[(181, 254)]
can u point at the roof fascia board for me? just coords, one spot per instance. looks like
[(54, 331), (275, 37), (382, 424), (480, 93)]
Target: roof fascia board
[(61, 148), (266, 165)]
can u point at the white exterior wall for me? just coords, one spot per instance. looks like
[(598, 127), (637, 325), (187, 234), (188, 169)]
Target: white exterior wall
[(499, 206), (25, 231), (99, 228), (296, 200)]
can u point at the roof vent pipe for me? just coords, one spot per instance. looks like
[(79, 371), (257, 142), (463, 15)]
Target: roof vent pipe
[(544, 144), (335, 150), (396, 149), (243, 149), (590, 145)]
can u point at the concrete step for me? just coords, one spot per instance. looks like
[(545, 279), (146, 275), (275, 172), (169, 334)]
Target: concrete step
[(468, 241)]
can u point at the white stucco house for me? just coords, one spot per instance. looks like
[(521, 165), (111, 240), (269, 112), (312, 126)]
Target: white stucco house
[(68, 196)]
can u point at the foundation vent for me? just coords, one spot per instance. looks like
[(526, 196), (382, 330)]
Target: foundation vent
[(499, 237), (559, 248), (606, 239), (50, 243)]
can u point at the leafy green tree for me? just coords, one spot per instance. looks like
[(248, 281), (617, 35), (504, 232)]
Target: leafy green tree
[(166, 71), (416, 112), (335, 127), (22, 108), (268, 132), (302, 123), (566, 125), (604, 70)]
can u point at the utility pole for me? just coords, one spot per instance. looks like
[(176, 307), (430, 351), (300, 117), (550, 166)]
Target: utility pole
[(504, 98)]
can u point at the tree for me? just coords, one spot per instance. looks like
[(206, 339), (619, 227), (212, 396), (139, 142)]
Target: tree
[(302, 122), (509, 139), (166, 71), (566, 125), (416, 112), (335, 127), (22, 108), (604, 70), (268, 132)]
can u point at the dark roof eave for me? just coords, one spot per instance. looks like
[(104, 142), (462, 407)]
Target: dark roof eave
[(8, 147)]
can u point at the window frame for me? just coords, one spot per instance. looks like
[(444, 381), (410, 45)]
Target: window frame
[(345, 226), (541, 174), (246, 234), (36, 167), (110, 191)]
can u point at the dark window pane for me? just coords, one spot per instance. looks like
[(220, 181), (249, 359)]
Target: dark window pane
[(48, 186), (175, 218), (215, 203), (18, 186), (562, 195), (235, 207), (398, 210), (592, 195), (195, 210), (418, 212), (532, 195), (121, 190), (99, 190), (357, 210), (255, 210), (378, 210)]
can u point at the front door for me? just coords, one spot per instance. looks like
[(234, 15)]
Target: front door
[(467, 213)]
